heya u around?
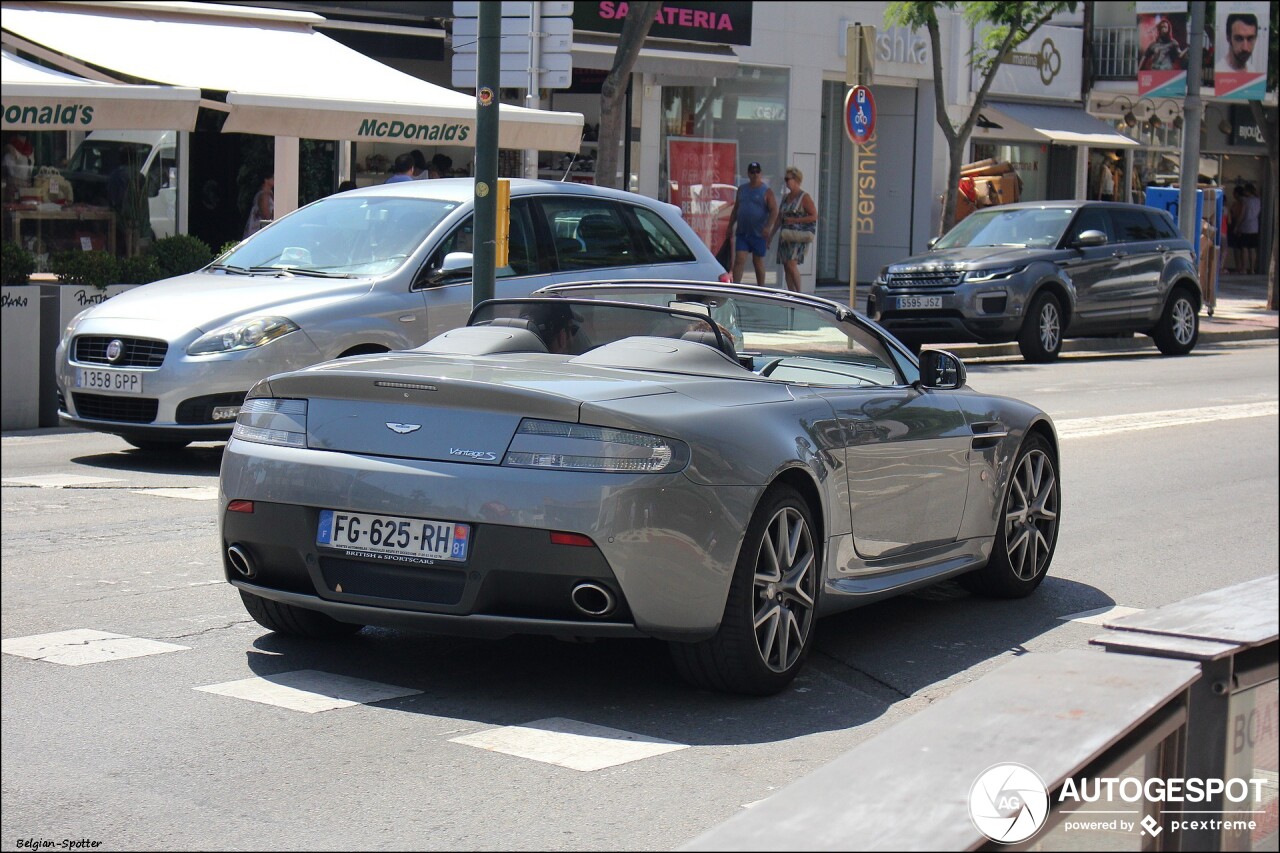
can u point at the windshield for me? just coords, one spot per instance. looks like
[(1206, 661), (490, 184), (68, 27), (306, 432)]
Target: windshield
[(792, 342), (341, 236), (1038, 227)]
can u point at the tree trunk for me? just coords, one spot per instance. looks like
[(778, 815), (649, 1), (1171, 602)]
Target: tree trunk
[(613, 94)]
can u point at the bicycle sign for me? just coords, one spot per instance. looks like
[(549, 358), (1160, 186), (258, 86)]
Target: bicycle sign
[(859, 114)]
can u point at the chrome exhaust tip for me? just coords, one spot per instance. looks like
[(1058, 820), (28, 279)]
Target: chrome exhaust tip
[(593, 599), (240, 561)]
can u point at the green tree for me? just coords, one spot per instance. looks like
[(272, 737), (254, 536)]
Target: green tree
[(613, 135), (1010, 24)]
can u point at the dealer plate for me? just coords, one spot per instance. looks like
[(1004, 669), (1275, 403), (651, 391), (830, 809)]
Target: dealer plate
[(119, 381), (907, 302), (393, 536)]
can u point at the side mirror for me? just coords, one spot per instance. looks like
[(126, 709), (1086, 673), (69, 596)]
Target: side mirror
[(456, 265), (1090, 238), (941, 370), (931, 242)]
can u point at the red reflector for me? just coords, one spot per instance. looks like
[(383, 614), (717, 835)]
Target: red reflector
[(240, 506), (571, 539)]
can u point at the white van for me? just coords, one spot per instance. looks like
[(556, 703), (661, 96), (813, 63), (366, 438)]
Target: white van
[(102, 151)]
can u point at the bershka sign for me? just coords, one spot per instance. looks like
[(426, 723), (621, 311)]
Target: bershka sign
[(720, 23), (53, 115), (374, 128)]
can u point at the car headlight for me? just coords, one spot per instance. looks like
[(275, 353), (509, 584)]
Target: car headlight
[(242, 335), (580, 447), (268, 420), (988, 275)]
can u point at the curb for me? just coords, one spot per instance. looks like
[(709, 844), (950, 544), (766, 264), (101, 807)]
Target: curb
[(1136, 343)]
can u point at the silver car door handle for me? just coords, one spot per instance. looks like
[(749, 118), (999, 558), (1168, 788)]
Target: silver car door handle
[(1119, 254)]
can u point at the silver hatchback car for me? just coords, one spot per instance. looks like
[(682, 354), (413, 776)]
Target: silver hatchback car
[(372, 270)]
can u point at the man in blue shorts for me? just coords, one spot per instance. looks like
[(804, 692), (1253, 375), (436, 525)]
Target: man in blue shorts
[(754, 213)]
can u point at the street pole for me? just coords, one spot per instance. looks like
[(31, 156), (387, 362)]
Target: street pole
[(488, 77), (1188, 222), (533, 98), (853, 76)]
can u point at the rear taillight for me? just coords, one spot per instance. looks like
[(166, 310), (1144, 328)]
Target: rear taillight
[(725, 278)]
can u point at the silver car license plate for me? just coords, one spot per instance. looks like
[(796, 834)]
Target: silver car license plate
[(393, 536), (905, 302), (119, 381)]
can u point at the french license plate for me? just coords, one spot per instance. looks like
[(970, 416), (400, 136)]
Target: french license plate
[(905, 302), (120, 381), (414, 539)]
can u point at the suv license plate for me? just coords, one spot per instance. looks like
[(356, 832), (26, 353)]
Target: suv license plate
[(414, 539), (120, 381), (905, 302)]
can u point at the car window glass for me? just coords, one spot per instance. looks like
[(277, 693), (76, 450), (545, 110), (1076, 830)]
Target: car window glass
[(1162, 226), (588, 233), (660, 239), (522, 257), (1089, 219), (1131, 226)]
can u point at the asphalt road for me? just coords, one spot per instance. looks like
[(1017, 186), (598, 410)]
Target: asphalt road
[(1169, 470)]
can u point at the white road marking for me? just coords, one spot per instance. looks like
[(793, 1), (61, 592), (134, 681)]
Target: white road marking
[(192, 493), (570, 743), (58, 481), (309, 691), (83, 645), (1101, 615), (1112, 424)]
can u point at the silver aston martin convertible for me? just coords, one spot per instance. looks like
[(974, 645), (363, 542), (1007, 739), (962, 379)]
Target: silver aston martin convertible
[(711, 465)]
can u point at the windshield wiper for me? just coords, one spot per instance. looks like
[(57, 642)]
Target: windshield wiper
[(307, 271), (229, 268)]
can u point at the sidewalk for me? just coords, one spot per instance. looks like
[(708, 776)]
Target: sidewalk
[(1240, 315)]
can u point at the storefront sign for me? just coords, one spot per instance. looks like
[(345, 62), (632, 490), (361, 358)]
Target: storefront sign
[(373, 128), (41, 116), (1244, 128), (1047, 65), (702, 174), (902, 45), (1162, 48), (719, 23), (864, 207), (1242, 35)]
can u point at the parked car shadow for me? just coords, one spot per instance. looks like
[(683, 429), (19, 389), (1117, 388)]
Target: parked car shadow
[(864, 661), (203, 459)]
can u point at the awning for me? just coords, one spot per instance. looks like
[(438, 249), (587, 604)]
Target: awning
[(658, 56), (282, 78), (39, 98), (1064, 125)]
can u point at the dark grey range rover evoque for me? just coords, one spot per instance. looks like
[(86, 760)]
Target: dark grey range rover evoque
[(1039, 272)]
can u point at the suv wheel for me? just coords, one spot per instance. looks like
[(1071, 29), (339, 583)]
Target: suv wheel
[(1179, 325), (1041, 337)]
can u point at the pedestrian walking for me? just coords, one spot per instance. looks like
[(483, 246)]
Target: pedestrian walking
[(755, 211), (799, 225), (263, 208), (1250, 217)]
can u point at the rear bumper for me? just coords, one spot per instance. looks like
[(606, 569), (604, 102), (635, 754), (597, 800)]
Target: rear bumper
[(664, 545)]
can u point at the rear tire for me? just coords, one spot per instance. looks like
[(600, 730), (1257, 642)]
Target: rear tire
[(156, 445), (1028, 530), (1179, 327), (1040, 340), (768, 622), (294, 621)]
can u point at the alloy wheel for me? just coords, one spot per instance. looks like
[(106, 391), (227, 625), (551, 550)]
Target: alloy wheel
[(1183, 318), (785, 578), (1050, 326), (1031, 515)]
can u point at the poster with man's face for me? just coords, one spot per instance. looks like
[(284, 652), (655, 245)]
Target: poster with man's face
[(1242, 31), (1162, 48)]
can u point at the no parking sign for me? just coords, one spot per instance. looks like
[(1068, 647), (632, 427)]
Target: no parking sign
[(859, 114)]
